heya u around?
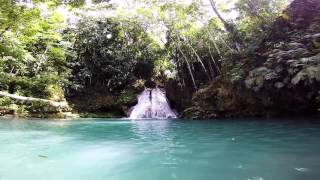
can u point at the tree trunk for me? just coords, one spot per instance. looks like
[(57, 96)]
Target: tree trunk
[(230, 27), (213, 60), (187, 62), (200, 61), (11, 87), (61, 106)]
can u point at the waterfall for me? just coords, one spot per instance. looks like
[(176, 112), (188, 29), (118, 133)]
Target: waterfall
[(152, 103)]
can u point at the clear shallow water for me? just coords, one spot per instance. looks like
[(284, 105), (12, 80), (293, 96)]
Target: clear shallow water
[(159, 150)]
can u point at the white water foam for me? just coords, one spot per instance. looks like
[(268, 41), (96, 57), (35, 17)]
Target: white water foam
[(152, 103)]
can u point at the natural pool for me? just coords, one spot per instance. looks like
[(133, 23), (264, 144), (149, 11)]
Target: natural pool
[(159, 150)]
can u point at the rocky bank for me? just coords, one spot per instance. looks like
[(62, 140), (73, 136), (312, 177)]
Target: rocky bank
[(279, 78)]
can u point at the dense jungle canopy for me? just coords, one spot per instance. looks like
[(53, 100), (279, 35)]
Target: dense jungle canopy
[(211, 56)]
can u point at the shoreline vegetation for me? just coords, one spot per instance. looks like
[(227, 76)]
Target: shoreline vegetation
[(70, 59), (22, 106)]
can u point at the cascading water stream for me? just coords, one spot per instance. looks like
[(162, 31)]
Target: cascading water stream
[(152, 103)]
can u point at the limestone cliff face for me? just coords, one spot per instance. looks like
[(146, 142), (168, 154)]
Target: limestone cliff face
[(282, 77)]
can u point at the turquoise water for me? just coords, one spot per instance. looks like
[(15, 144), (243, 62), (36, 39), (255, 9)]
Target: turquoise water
[(159, 150)]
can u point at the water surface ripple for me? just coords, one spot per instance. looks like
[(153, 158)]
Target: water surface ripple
[(159, 150)]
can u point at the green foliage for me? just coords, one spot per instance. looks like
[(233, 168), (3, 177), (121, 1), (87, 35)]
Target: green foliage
[(127, 97), (44, 54), (256, 17), (5, 101), (308, 75), (36, 105), (21, 110), (32, 51), (73, 3), (109, 54)]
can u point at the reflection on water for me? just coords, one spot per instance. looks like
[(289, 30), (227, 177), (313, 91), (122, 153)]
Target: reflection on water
[(158, 149), (145, 128)]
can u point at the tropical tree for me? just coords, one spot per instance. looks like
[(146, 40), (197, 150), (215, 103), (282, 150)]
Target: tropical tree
[(109, 54), (32, 57)]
